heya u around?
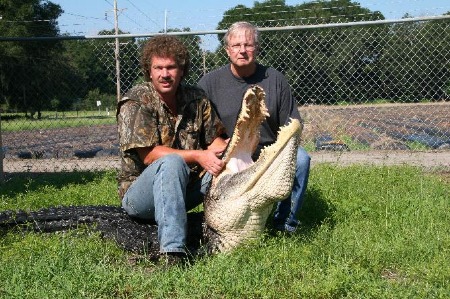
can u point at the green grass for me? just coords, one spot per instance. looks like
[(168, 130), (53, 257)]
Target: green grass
[(309, 145), (417, 146), (52, 120), (352, 144), (367, 232)]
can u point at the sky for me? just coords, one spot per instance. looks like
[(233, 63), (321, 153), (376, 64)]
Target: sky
[(87, 17)]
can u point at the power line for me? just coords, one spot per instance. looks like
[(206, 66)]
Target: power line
[(84, 17), (109, 3), (116, 12), (144, 14)]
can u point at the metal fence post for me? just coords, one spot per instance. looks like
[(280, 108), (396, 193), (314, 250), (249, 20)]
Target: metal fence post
[(1, 150), (117, 51)]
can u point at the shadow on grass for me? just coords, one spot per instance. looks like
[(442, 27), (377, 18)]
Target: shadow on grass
[(315, 210), (18, 183)]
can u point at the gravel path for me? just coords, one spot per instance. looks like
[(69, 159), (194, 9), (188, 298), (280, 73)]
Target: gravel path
[(430, 160)]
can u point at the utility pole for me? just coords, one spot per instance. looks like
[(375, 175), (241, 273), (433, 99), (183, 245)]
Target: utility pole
[(117, 50), (165, 21)]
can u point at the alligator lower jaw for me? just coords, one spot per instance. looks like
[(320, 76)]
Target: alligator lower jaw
[(279, 152), (288, 138), (223, 242)]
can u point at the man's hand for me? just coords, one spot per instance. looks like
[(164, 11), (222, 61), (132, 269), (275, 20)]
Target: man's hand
[(208, 159), (218, 146)]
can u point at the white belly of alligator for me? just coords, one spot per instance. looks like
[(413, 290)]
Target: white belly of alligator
[(241, 198)]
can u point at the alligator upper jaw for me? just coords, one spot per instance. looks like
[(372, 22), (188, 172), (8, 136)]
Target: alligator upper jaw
[(267, 180), (245, 138)]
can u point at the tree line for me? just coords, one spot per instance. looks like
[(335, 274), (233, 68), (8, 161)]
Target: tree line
[(403, 62), (397, 62)]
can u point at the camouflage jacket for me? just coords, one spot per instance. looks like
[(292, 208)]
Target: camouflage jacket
[(146, 121)]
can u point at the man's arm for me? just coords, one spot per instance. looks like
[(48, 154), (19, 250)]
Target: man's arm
[(208, 159)]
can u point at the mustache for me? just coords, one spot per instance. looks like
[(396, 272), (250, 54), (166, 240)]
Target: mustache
[(165, 81)]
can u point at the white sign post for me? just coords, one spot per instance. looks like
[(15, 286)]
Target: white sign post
[(99, 103)]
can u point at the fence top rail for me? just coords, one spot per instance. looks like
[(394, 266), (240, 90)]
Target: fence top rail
[(282, 28)]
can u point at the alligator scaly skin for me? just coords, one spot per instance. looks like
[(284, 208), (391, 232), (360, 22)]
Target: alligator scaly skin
[(111, 221)]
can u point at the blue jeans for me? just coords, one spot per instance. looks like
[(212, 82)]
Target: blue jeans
[(161, 193), (285, 216)]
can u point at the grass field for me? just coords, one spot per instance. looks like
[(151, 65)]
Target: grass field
[(367, 232), (52, 120)]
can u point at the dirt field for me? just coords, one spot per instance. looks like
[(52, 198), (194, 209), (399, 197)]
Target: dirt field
[(380, 127), (386, 131)]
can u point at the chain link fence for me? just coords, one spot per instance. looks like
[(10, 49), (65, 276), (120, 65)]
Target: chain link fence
[(360, 87)]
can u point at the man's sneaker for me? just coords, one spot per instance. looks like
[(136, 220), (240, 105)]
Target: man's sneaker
[(288, 228)]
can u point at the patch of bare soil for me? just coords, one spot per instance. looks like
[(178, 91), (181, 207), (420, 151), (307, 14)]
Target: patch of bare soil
[(63, 143), (379, 127), (386, 130)]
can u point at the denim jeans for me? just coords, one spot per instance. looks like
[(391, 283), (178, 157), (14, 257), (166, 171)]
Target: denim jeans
[(161, 193), (285, 216)]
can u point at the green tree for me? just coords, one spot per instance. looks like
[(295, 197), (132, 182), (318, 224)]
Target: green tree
[(87, 68), (95, 95), (417, 62), (90, 69), (321, 64), (338, 64), (25, 67), (269, 13)]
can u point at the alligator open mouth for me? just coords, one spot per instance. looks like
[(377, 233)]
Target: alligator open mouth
[(240, 199)]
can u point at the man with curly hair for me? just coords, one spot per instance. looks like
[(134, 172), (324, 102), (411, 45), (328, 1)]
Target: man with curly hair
[(169, 134)]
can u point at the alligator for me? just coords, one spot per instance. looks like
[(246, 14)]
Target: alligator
[(241, 197), (236, 207)]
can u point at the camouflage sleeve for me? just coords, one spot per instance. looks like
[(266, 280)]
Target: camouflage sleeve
[(212, 125), (137, 126)]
